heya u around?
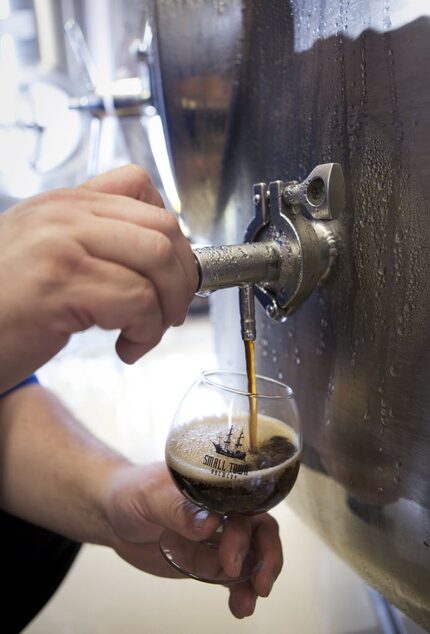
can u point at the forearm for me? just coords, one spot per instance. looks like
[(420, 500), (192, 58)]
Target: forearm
[(53, 472)]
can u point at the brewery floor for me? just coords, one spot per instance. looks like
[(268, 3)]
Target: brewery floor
[(130, 408)]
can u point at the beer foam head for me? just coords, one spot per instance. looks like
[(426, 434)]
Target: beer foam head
[(191, 448)]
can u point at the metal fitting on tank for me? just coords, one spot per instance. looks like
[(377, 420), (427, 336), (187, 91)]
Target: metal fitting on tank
[(290, 246)]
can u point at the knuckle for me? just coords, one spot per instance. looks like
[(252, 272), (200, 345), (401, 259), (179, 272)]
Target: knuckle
[(146, 296), (63, 259), (169, 223), (148, 191), (163, 250), (141, 173)]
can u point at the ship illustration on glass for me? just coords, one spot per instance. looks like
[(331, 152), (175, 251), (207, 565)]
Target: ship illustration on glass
[(230, 447)]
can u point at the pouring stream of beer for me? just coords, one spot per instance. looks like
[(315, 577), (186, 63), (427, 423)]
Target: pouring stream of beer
[(252, 390)]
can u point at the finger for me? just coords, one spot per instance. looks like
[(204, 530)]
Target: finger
[(131, 351), (235, 544), (133, 182), (112, 296), (163, 504), (184, 518), (266, 541), (147, 252), (129, 180), (242, 600), (150, 217)]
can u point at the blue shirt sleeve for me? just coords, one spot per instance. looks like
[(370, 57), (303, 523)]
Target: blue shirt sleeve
[(28, 381)]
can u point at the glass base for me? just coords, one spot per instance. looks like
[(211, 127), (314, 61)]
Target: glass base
[(200, 560)]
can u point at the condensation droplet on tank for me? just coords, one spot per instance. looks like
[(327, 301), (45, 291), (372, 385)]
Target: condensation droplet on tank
[(393, 370)]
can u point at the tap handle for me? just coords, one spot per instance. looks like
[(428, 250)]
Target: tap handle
[(236, 265)]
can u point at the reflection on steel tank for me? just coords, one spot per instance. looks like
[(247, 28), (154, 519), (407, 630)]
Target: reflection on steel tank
[(265, 90)]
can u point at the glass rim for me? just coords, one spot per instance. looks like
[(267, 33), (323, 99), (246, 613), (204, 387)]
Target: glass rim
[(207, 373)]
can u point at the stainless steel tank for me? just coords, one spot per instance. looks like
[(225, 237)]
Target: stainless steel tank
[(261, 90)]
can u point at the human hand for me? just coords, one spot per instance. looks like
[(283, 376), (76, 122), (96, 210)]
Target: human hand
[(103, 254), (143, 501)]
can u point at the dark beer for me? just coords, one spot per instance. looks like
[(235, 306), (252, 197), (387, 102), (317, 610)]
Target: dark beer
[(212, 465)]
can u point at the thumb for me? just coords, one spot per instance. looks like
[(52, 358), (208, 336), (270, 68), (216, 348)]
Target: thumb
[(167, 507)]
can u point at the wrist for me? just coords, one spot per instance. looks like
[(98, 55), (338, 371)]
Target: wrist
[(108, 499)]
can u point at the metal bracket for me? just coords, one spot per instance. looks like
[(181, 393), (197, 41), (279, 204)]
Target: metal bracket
[(294, 216)]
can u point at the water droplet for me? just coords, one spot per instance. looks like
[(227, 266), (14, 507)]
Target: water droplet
[(298, 361), (398, 464), (380, 490), (393, 370), (280, 375), (396, 479), (380, 469)]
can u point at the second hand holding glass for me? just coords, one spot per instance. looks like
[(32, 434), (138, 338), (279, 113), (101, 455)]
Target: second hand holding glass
[(208, 452)]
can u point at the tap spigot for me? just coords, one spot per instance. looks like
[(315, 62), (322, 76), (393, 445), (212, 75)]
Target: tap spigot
[(290, 246), (248, 327)]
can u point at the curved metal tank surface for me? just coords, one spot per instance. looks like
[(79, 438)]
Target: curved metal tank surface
[(265, 90)]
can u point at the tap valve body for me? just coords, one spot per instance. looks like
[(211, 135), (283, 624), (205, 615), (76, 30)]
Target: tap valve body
[(290, 246)]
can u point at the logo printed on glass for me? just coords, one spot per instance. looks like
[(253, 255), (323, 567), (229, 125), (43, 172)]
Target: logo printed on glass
[(228, 449)]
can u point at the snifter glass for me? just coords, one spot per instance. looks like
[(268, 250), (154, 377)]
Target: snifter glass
[(221, 463)]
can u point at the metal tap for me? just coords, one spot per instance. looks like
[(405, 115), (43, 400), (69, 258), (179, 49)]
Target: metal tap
[(289, 248)]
